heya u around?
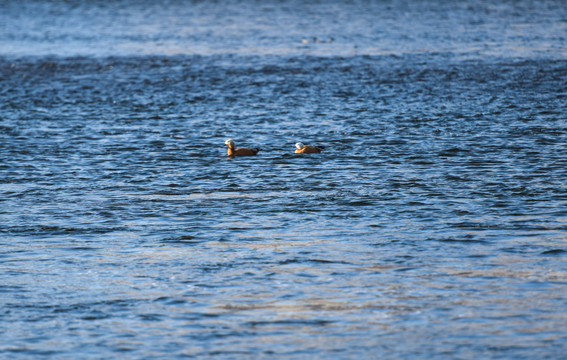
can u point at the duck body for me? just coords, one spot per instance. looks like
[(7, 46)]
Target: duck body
[(234, 151), (307, 149)]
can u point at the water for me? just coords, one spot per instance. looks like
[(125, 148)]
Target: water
[(433, 225)]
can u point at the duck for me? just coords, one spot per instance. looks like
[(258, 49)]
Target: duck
[(307, 149), (317, 40), (233, 151)]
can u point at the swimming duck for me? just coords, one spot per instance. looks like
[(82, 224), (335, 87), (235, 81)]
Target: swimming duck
[(233, 151), (317, 40), (307, 149)]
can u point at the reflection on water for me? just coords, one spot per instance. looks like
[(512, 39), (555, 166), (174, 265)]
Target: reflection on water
[(517, 29), (431, 226)]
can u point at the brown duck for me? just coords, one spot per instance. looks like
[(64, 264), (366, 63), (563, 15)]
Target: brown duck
[(233, 151), (307, 149)]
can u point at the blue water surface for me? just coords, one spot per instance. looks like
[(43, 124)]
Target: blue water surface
[(432, 226)]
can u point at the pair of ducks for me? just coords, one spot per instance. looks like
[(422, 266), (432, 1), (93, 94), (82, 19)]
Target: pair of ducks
[(300, 149)]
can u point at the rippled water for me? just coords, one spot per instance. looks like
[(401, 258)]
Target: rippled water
[(433, 225)]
